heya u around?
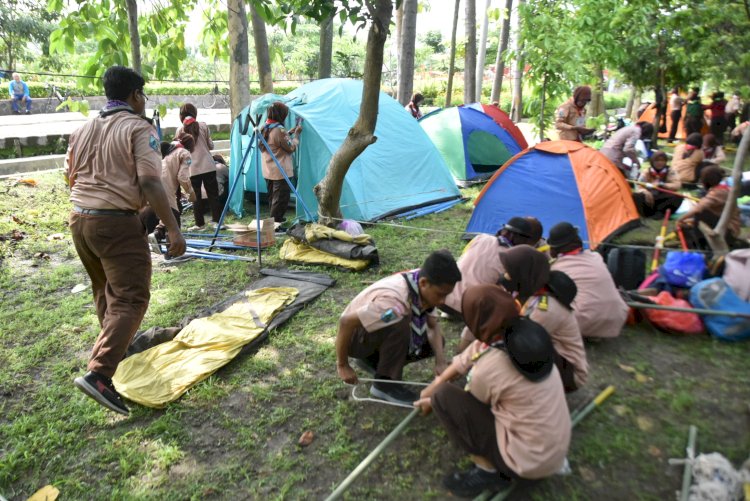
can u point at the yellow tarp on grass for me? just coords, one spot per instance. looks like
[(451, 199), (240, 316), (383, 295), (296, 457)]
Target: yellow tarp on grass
[(300, 252), (163, 373)]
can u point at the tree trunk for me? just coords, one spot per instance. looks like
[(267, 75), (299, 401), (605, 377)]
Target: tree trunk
[(239, 68), (470, 54), (261, 51), (631, 102), (452, 66), (135, 38), (597, 94), (326, 48), (734, 192), (497, 85), (361, 135), (482, 53), (541, 110), (406, 51), (398, 21), (636, 104), (516, 108)]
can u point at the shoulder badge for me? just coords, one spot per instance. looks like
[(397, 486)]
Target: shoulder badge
[(189, 161), (388, 315), (153, 141), (561, 112)]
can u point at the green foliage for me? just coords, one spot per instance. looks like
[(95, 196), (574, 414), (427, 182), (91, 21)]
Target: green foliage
[(613, 101), (434, 40), (23, 22)]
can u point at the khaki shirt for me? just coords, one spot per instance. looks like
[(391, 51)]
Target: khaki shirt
[(714, 202), (203, 161), (562, 327), (598, 307), (670, 182), (479, 264), (532, 420), (282, 145), (383, 303), (685, 167), (176, 171), (106, 157), (567, 117)]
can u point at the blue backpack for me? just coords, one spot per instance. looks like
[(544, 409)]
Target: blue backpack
[(683, 269), (715, 294)]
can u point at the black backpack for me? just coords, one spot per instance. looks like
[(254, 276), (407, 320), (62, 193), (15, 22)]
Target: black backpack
[(627, 267)]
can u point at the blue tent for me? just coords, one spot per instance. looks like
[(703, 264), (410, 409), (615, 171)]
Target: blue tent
[(558, 181), (401, 171), (472, 144)]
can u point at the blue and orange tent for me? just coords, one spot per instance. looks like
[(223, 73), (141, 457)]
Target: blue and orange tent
[(558, 181), (471, 143)]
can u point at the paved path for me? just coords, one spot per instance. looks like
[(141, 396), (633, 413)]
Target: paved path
[(40, 129)]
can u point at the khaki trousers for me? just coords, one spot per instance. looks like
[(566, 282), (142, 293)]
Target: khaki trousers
[(114, 251)]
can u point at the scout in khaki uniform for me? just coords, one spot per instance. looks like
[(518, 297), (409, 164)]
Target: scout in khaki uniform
[(571, 115), (114, 168), (599, 309), (393, 322), (512, 417)]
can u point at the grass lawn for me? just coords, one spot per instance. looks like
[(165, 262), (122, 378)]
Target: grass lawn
[(234, 435)]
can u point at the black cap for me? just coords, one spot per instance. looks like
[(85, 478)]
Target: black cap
[(530, 349), (520, 226), (562, 234)]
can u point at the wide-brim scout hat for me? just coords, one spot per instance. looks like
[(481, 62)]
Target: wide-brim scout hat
[(562, 234), (530, 349), (520, 226)]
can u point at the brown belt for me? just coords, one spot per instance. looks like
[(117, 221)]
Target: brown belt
[(104, 212)]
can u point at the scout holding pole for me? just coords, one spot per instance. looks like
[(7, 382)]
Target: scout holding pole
[(664, 190)]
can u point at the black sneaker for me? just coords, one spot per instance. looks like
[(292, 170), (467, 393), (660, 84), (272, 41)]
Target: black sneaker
[(362, 364), (471, 483), (100, 388), (393, 392)]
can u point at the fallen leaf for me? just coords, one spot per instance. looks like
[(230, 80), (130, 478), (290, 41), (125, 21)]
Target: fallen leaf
[(56, 236), (642, 378), (17, 220), (17, 235), (627, 368), (367, 425), (306, 438), (587, 474), (46, 493), (654, 451), (78, 288), (621, 410), (644, 423), (27, 182), (42, 255)]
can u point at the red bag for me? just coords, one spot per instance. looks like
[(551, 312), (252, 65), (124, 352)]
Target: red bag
[(674, 322)]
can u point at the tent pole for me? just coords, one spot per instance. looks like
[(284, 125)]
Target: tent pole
[(231, 190), (286, 178), (256, 141)]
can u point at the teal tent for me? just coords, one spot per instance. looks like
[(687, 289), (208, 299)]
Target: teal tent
[(400, 172)]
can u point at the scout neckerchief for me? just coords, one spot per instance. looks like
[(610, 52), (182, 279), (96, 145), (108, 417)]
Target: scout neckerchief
[(659, 174), (116, 106), (540, 299), (504, 242), (574, 252), (418, 316)]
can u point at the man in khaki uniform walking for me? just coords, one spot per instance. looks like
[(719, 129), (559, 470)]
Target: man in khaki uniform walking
[(570, 117), (113, 166)]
